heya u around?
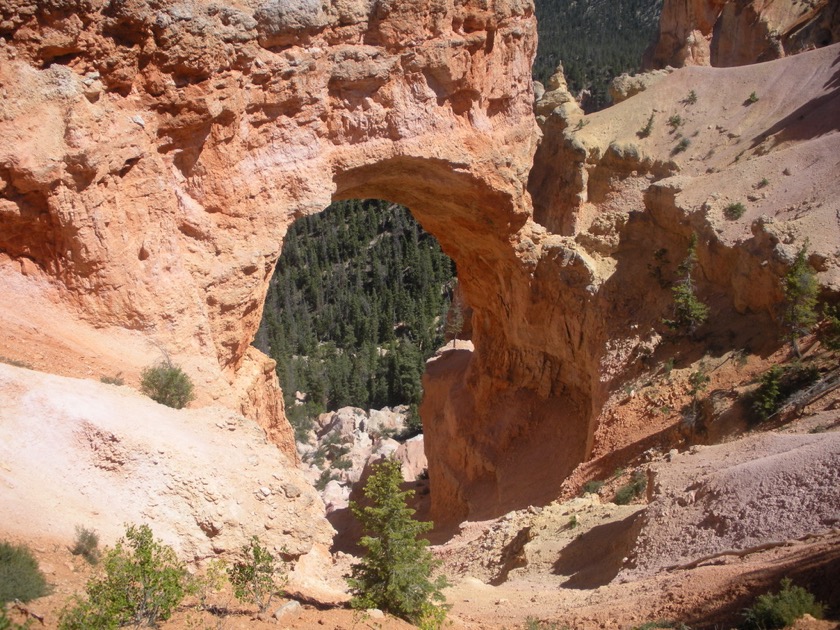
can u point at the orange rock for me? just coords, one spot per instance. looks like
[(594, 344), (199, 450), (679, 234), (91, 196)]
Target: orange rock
[(729, 33)]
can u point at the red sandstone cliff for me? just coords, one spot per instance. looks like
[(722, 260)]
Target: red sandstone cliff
[(738, 32), (155, 153)]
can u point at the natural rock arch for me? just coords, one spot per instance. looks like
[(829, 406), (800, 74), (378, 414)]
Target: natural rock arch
[(156, 153)]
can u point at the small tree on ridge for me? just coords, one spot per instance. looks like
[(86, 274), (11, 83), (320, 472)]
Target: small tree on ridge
[(395, 574), (801, 288), (689, 311)]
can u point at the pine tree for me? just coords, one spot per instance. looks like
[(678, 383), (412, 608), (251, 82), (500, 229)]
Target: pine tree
[(395, 574), (454, 317), (689, 311), (801, 288)]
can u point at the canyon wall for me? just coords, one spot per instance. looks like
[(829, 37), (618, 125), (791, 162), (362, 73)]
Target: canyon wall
[(738, 32), (154, 154)]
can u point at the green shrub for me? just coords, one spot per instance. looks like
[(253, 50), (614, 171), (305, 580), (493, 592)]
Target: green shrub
[(768, 396), (752, 98), (342, 464), (777, 384), (648, 128), (327, 475), (631, 490), (86, 544), (20, 577), (212, 580), (413, 424), (764, 182), (142, 582), (830, 335), (301, 418), (675, 121), (257, 577), (592, 487), (691, 99), (682, 145), (782, 609), (167, 384), (395, 574), (734, 211)]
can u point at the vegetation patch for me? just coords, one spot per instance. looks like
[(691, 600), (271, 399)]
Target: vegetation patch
[(583, 37), (257, 576), (167, 384), (632, 489), (86, 544), (113, 380), (141, 582), (592, 487), (681, 146), (777, 384), (779, 610), (689, 311), (830, 333), (645, 131), (734, 211), (801, 290), (359, 300), (395, 573), (20, 577), (8, 624)]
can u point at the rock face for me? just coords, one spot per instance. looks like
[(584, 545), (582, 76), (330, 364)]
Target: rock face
[(154, 154), (739, 32), (771, 488), (624, 201), (78, 452), (343, 444)]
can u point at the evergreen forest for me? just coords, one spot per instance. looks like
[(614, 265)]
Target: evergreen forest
[(596, 40), (355, 307)]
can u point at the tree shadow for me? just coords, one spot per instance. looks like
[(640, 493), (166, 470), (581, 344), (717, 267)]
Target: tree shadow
[(595, 558), (815, 118)]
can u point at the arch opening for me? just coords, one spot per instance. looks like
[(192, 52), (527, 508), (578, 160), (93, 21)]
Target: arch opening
[(360, 298)]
